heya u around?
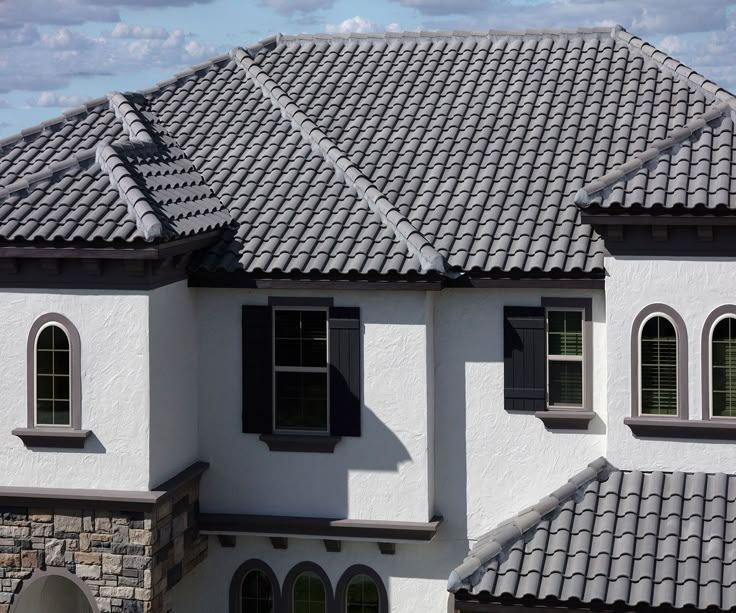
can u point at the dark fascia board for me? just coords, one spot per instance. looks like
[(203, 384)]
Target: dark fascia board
[(238, 279), (653, 427), (485, 604), (668, 217), (326, 528), (117, 499)]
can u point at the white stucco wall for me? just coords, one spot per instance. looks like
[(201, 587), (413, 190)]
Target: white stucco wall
[(383, 474), (174, 360), (693, 288), (113, 327)]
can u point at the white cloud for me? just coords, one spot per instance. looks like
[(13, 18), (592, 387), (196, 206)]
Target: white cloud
[(672, 44), (291, 7), (125, 30), (17, 36), (56, 99), (360, 24), (65, 39)]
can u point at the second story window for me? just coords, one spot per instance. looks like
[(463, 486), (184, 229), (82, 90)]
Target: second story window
[(723, 368), (52, 377), (658, 376), (300, 370), (564, 358)]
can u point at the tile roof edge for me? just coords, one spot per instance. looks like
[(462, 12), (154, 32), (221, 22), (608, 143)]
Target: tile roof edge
[(138, 206), (634, 164), (511, 530), (82, 159), (677, 67), (430, 259)]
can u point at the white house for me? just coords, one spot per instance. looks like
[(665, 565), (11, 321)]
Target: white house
[(417, 322)]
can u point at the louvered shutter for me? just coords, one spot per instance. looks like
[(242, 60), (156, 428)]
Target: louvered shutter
[(345, 371), (257, 367), (524, 359)]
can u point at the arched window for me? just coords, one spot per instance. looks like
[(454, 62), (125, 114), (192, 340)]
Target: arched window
[(659, 364), (658, 367), (256, 593), (360, 590), (723, 368), (308, 594), (54, 378), (254, 589), (307, 589), (53, 369)]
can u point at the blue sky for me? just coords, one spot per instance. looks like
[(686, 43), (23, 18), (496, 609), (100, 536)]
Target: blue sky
[(56, 53)]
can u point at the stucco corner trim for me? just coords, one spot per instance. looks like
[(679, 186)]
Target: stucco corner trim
[(673, 428), (565, 420), (301, 443), (52, 437)]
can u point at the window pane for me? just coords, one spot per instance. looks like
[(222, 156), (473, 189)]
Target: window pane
[(61, 362), (46, 338), (565, 382), (724, 368), (45, 387), (288, 352), (309, 594), (45, 412), (565, 332), (45, 362), (362, 595), (301, 401), (61, 388), (658, 368), (60, 339), (61, 413), (256, 595), (301, 338)]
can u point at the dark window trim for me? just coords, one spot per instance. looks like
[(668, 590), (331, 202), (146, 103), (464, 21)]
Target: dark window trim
[(301, 443), (236, 583), (682, 364), (303, 567), (347, 576), (54, 436), (707, 360), (572, 418)]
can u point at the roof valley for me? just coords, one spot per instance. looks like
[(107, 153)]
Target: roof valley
[(417, 244)]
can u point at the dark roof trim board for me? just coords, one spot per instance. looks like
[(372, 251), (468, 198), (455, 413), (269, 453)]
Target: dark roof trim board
[(430, 258), (505, 534), (637, 162)]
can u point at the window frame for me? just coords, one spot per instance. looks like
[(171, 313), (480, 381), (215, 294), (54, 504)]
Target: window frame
[(236, 584), (288, 588), (564, 358), (677, 367), (308, 369), (347, 576), (714, 318), (75, 385), (584, 306), (681, 361)]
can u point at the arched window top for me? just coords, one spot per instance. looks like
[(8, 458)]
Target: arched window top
[(361, 590), (307, 589), (659, 363), (54, 377), (718, 349), (254, 589)]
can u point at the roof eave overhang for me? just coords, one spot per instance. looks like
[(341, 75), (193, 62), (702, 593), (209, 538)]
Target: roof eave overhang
[(485, 603)]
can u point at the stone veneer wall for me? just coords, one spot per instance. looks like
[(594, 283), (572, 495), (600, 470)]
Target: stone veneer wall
[(129, 559)]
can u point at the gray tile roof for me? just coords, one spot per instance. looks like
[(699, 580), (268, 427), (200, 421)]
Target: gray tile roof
[(375, 154), (613, 536)]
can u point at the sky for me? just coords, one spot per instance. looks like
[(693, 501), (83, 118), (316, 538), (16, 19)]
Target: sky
[(55, 54)]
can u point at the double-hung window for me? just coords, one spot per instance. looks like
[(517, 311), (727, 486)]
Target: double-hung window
[(300, 370), (565, 358)]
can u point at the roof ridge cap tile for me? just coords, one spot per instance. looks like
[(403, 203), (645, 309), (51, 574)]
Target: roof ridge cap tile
[(429, 258), (128, 115), (680, 69), (508, 532), (74, 162), (656, 149), (59, 120), (120, 177)]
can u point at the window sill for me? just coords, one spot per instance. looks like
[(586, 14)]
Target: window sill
[(558, 419), (303, 443), (52, 437), (653, 427)]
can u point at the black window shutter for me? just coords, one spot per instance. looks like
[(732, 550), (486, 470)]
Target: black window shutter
[(345, 374), (524, 355), (257, 366)]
